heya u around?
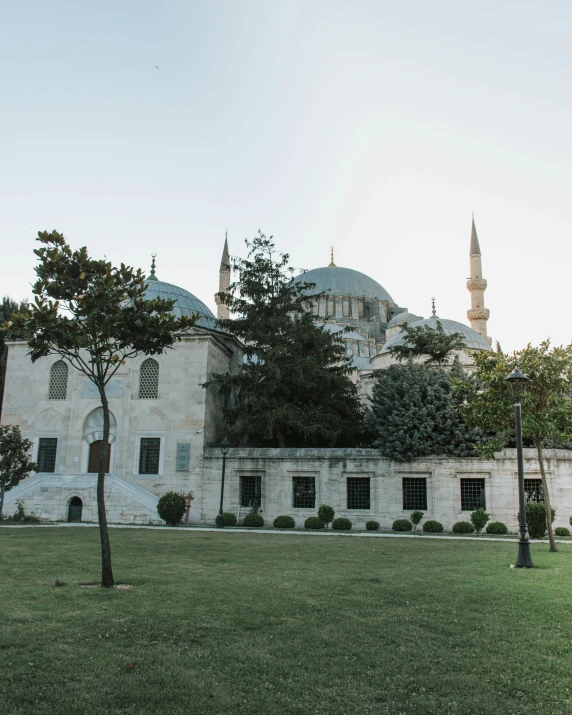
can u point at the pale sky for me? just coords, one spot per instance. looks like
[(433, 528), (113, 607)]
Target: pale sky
[(373, 126)]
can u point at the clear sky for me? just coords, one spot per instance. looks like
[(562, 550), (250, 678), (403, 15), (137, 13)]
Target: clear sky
[(376, 126)]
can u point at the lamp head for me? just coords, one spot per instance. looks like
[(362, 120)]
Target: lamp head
[(225, 446), (517, 382)]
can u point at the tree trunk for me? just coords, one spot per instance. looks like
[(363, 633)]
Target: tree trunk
[(106, 571), (2, 490), (547, 506)]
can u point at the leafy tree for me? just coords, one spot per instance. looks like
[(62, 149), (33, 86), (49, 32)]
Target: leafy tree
[(96, 317), (326, 514), (294, 387), (413, 413), (416, 516), (546, 408), (7, 308), (479, 518), (424, 341), (15, 463)]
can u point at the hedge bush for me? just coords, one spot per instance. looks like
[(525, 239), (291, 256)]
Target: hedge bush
[(372, 525), (171, 507), (341, 524), (326, 514), (253, 520), (229, 519), (536, 519), (433, 527), (562, 531), (313, 522), (284, 522), (402, 525), (463, 527), (496, 527)]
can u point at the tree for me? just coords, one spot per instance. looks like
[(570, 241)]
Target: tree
[(413, 413), (15, 463), (546, 408), (293, 388), (96, 317), (326, 514), (7, 308), (479, 518), (424, 341)]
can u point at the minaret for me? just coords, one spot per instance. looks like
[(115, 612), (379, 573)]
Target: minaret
[(477, 285), (223, 312)]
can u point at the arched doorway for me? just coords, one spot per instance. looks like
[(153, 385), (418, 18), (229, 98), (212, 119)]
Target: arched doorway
[(95, 456), (75, 509)]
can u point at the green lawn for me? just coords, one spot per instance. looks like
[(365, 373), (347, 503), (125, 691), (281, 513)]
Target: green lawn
[(253, 623)]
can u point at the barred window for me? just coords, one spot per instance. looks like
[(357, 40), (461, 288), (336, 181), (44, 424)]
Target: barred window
[(355, 348), (315, 307), (149, 380), (47, 450), (360, 308), (304, 492), (58, 381), (358, 492), (533, 490), (414, 493), (346, 308), (149, 453), (472, 494), (250, 491), (330, 307)]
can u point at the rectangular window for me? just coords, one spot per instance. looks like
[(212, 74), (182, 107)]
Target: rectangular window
[(472, 494), (149, 453), (358, 493), (533, 490), (414, 493), (47, 449), (250, 491), (304, 492)]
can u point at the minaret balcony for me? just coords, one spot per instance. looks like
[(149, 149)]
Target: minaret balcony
[(476, 284), (478, 314)]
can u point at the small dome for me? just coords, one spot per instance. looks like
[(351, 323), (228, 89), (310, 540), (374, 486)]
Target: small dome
[(402, 318), (186, 303), (472, 340), (344, 282)]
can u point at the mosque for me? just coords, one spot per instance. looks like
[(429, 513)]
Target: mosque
[(165, 427)]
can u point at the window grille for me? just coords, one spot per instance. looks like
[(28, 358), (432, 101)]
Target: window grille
[(250, 491), (414, 493), (149, 380), (304, 492), (149, 453), (472, 494), (346, 308), (315, 307), (360, 308), (533, 490), (354, 348), (358, 493), (47, 450), (58, 381), (330, 307)]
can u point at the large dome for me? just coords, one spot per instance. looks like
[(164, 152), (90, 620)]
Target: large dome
[(472, 339), (344, 282), (186, 303)]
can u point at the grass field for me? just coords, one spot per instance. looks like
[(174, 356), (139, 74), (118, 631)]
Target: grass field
[(247, 623)]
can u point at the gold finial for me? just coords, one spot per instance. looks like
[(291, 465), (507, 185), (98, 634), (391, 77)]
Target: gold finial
[(152, 276), (332, 264), (433, 313)]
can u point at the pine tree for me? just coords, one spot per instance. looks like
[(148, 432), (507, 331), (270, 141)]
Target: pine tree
[(294, 387), (414, 414)]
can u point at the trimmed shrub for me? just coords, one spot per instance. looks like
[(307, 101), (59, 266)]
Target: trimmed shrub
[(372, 525), (229, 519), (253, 520), (562, 531), (463, 527), (536, 519), (341, 524), (402, 525), (433, 527), (284, 522), (496, 527), (171, 507), (313, 522), (416, 517), (326, 514), (479, 518)]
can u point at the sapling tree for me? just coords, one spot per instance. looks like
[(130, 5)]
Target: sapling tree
[(95, 316), (479, 518), (416, 516), (326, 514), (15, 462)]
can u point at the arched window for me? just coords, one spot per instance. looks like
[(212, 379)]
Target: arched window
[(330, 308), (360, 309), (346, 308), (149, 380), (58, 381)]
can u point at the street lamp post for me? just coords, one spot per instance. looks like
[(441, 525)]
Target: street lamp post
[(517, 382), (225, 445)]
